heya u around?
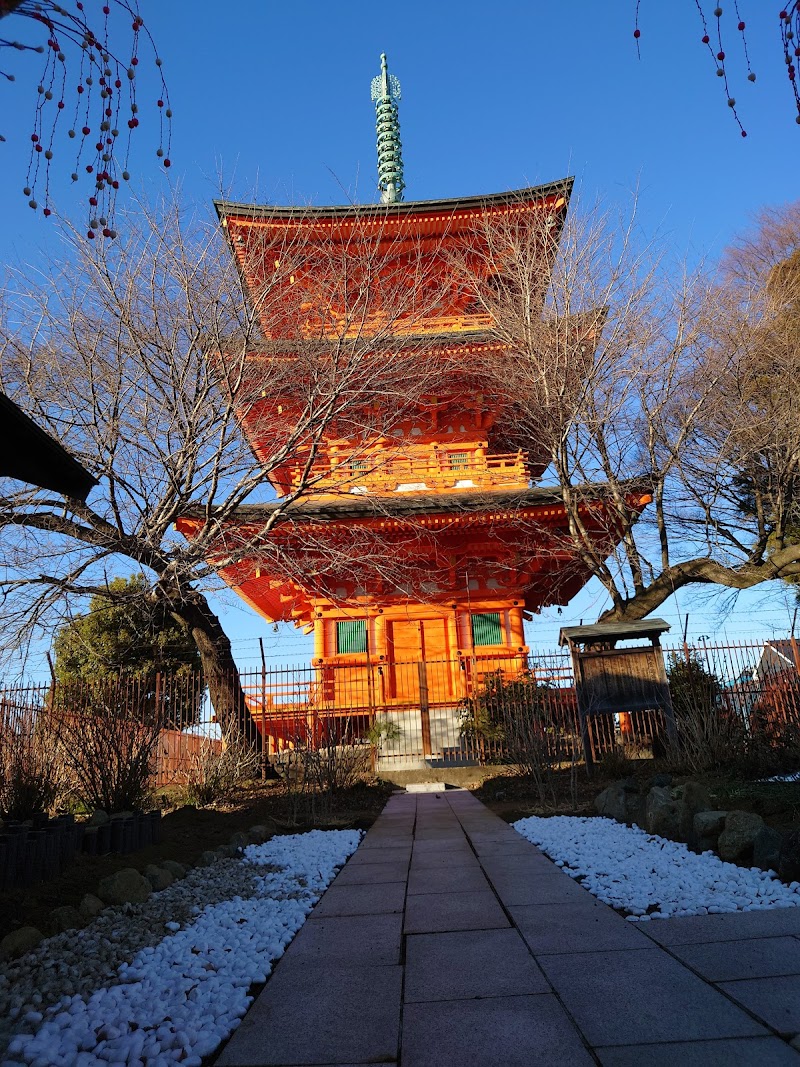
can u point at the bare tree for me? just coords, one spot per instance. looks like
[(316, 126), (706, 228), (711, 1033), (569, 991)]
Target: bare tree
[(86, 45), (630, 380), (146, 358)]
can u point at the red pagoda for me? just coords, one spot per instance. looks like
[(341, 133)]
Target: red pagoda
[(475, 545)]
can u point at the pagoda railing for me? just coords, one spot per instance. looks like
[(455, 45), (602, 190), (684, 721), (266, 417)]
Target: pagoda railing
[(441, 470)]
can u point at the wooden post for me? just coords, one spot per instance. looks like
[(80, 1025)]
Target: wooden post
[(424, 708), (263, 711)]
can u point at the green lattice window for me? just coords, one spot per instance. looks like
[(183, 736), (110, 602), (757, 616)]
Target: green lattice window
[(486, 629), (459, 461), (357, 465), (351, 636)]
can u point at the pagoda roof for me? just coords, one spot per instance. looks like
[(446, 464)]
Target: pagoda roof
[(411, 505), (562, 187)]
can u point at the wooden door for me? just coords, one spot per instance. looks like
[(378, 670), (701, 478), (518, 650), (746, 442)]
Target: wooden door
[(405, 649)]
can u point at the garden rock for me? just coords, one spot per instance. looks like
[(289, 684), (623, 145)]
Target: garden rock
[(692, 797), (237, 842), (706, 828), (662, 813), (91, 906), (767, 849), (125, 887), (177, 870), (18, 942), (259, 834), (65, 918), (611, 802), (789, 858), (207, 858), (98, 817), (660, 780), (158, 877), (736, 840)]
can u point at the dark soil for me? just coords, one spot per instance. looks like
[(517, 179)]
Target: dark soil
[(187, 832)]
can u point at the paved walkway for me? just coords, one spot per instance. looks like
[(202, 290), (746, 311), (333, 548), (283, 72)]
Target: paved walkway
[(449, 941)]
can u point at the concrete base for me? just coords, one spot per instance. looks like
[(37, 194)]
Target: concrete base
[(462, 777), (426, 787)]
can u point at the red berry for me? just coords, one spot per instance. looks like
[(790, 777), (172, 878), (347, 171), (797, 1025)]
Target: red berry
[(38, 148), (106, 10), (134, 61), (115, 185), (637, 34), (90, 235), (47, 212), (89, 168), (61, 105), (86, 131), (741, 26), (706, 39), (34, 137), (167, 163), (106, 232), (93, 201), (720, 56), (160, 103)]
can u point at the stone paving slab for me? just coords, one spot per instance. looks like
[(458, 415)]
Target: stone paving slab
[(586, 926), (371, 873), (734, 1052), (733, 926), (430, 912), (361, 900), (621, 998), (450, 933), (775, 1000), (316, 1015), (447, 880), (507, 1031), (470, 963), (367, 940), (726, 961)]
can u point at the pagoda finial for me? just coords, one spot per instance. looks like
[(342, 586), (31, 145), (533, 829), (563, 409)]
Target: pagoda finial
[(386, 93)]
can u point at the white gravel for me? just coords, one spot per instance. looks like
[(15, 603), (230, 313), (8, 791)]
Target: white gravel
[(178, 998), (650, 877)]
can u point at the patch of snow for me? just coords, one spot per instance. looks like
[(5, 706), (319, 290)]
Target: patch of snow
[(410, 487), (178, 1000), (793, 777), (649, 876)]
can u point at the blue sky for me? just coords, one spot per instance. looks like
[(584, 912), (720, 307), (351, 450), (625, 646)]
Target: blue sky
[(271, 101)]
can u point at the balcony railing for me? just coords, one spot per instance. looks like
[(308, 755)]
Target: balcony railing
[(441, 471)]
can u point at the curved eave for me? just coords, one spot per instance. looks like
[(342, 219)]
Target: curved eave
[(532, 194), (480, 506)]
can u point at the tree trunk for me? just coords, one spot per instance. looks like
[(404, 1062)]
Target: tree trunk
[(219, 669)]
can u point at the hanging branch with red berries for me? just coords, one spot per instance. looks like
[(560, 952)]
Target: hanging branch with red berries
[(715, 33), (90, 78)]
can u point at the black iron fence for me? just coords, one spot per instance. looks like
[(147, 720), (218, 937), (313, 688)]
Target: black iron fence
[(468, 710)]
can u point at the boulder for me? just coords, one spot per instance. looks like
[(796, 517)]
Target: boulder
[(259, 834), (691, 797), (207, 858), (91, 906), (65, 918), (706, 828), (239, 841), (767, 849), (661, 781), (662, 813), (18, 942), (124, 887), (158, 877), (611, 803), (736, 841), (98, 817), (789, 857), (177, 870)]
